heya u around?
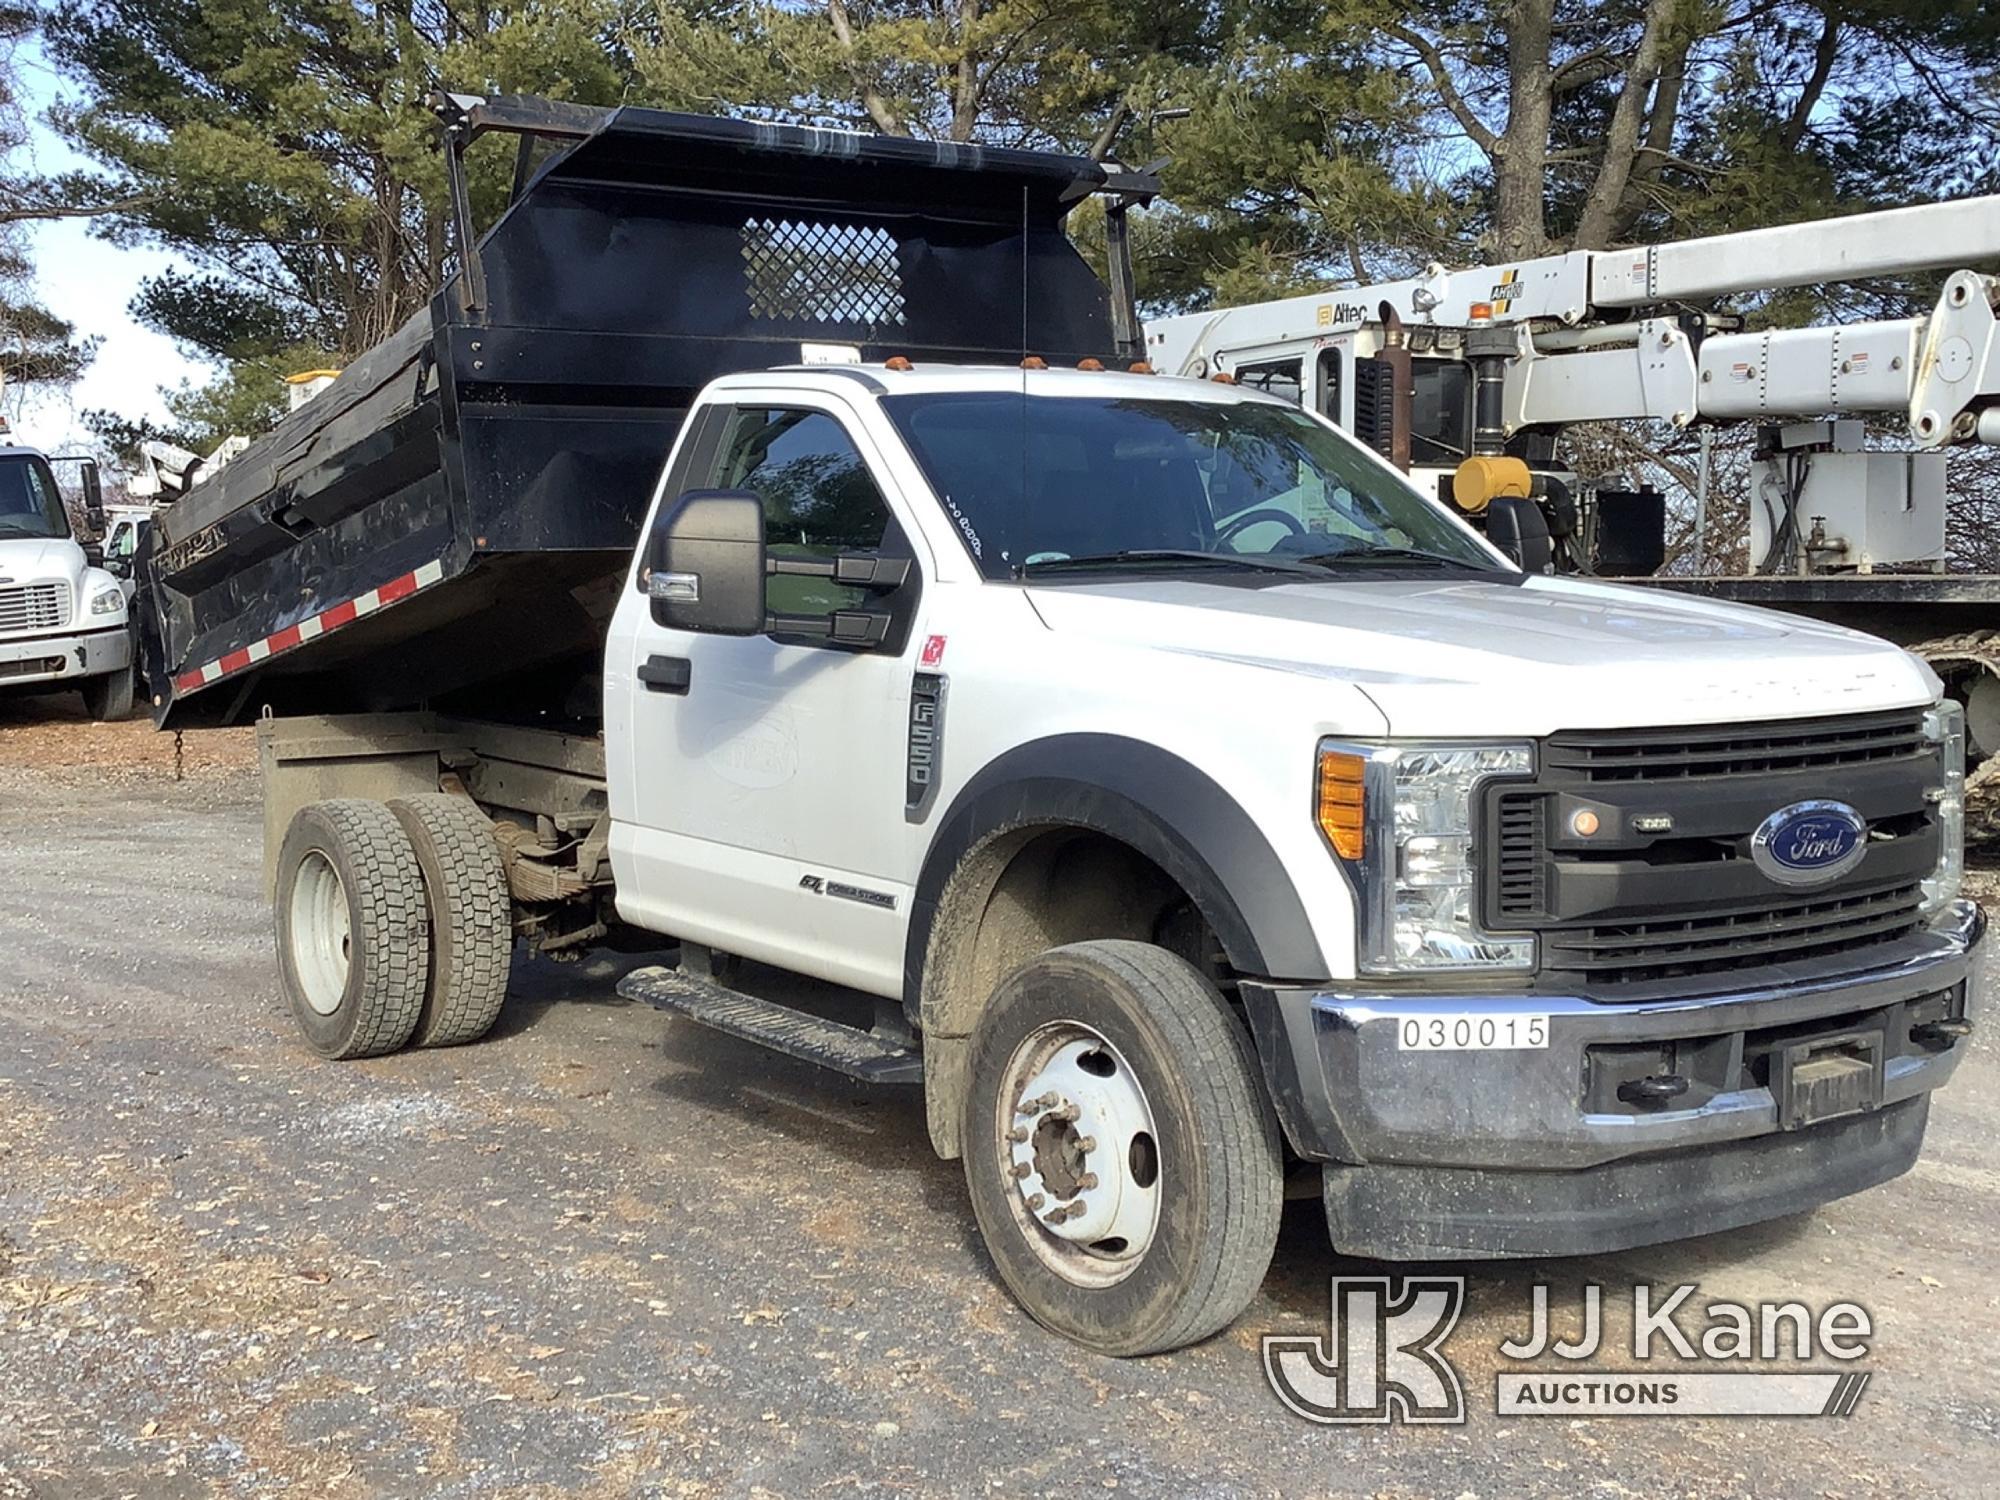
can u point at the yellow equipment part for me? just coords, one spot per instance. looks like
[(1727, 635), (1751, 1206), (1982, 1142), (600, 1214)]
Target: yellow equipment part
[(1484, 478)]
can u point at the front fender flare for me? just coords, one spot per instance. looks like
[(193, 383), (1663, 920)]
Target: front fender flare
[(1167, 809)]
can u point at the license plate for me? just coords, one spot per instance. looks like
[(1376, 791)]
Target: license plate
[(1471, 1031)]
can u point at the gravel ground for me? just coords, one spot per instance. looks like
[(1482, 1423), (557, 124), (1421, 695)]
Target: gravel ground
[(608, 1253)]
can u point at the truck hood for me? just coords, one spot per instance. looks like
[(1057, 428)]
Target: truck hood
[(1460, 656), (39, 560)]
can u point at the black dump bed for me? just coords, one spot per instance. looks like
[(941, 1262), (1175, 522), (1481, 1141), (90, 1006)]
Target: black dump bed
[(446, 524)]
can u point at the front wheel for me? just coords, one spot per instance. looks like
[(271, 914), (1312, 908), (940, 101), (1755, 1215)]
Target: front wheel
[(107, 697), (1123, 1164)]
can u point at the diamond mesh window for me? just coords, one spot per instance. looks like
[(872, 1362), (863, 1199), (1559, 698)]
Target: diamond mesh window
[(801, 271)]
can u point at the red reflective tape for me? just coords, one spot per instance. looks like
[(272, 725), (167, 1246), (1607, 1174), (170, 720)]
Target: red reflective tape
[(294, 635), (397, 588)]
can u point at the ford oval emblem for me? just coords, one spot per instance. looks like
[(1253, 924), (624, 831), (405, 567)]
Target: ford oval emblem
[(1810, 843)]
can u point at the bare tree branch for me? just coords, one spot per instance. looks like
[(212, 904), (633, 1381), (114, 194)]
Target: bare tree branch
[(1599, 220), (871, 96), (1482, 136), (1824, 56), (73, 211)]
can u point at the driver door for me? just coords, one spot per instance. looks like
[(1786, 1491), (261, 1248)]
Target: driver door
[(766, 795)]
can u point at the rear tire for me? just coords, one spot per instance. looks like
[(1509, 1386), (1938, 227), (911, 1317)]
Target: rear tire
[(107, 697), (471, 914), (353, 930), (1169, 1174)]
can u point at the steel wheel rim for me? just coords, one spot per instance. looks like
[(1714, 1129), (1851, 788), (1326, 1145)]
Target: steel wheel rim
[(1079, 1154), (322, 934)]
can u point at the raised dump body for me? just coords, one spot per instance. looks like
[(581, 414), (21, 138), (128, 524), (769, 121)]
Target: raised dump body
[(445, 525)]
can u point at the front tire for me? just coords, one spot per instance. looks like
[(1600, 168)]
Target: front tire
[(353, 931), (107, 697), (1124, 1166)]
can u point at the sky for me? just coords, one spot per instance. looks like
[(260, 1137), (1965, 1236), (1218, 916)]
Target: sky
[(91, 283)]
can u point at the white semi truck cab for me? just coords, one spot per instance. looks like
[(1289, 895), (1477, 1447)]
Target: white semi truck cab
[(1204, 805), (62, 616)]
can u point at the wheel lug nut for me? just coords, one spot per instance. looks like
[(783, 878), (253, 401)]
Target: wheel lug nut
[(1021, 1170), (1035, 1202), (1018, 1134), (1086, 1143), (1086, 1182), (1066, 1113)]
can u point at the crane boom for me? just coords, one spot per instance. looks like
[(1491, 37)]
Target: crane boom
[(1890, 242)]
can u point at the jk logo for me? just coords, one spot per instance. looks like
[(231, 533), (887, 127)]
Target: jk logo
[(1381, 1362)]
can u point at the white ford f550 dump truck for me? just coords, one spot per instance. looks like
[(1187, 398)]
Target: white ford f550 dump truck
[(62, 617), (1201, 796), (1192, 808)]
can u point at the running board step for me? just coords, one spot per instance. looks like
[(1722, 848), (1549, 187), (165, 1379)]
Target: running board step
[(845, 1049)]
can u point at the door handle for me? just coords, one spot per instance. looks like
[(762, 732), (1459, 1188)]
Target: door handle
[(666, 674)]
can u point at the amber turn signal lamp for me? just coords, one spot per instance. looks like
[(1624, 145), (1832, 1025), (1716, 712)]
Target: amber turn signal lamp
[(1341, 802)]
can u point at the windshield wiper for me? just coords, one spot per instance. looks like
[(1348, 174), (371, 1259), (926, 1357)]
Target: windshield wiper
[(1262, 563), (1398, 554)]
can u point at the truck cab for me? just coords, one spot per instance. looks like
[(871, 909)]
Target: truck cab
[(62, 616)]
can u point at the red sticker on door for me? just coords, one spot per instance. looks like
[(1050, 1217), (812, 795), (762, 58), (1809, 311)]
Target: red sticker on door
[(933, 653)]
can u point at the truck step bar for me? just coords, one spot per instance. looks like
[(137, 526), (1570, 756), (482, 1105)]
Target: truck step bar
[(865, 1055)]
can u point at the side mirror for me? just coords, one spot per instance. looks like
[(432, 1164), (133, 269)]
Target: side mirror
[(705, 563), (1519, 529), (93, 487), (93, 495), (93, 553)]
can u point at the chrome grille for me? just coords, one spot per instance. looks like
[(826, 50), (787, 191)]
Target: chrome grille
[(34, 606)]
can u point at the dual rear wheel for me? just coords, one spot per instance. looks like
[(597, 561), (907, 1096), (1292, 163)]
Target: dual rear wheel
[(394, 924)]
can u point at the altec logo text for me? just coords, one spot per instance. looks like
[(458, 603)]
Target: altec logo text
[(1384, 1358)]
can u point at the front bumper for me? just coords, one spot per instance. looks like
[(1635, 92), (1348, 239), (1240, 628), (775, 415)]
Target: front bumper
[(65, 654), (1533, 1152)]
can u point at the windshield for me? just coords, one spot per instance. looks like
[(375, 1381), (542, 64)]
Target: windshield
[(29, 503), (1037, 482)]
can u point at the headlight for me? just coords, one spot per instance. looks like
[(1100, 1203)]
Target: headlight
[(1945, 725), (1402, 815), (109, 602)]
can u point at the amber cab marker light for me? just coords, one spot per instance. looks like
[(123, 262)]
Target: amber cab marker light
[(1090, 364), (1141, 367), (897, 362), (1034, 362), (1223, 377), (1340, 802)]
